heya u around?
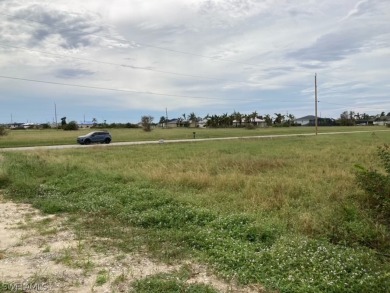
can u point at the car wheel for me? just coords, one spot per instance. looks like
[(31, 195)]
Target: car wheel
[(87, 141), (107, 140)]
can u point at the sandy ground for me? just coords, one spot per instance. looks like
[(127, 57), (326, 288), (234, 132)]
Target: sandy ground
[(39, 253)]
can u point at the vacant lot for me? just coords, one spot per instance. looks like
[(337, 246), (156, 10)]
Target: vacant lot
[(31, 137), (282, 213)]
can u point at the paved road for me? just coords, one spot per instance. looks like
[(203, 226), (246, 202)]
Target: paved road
[(53, 147)]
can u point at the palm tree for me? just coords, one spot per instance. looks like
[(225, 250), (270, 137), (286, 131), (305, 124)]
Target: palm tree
[(268, 119), (162, 121), (238, 117), (279, 118), (253, 117), (291, 119), (192, 117)]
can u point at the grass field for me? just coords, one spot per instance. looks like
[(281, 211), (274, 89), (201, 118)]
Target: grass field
[(285, 213), (32, 137)]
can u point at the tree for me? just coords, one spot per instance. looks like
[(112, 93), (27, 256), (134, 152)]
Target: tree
[(352, 115), (94, 121), (192, 117), (290, 119), (268, 119), (179, 122), (146, 122), (72, 125), (346, 119), (63, 121), (162, 121), (279, 118), (238, 117)]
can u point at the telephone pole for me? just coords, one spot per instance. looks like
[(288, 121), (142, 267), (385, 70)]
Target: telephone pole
[(166, 117), (316, 102), (55, 114)]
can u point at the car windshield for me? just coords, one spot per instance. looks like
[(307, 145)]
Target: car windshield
[(89, 134)]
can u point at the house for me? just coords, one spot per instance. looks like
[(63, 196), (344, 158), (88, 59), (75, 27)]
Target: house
[(16, 125), (202, 123), (305, 120), (253, 121), (382, 121), (172, 123), (258, 122), (310, 120), (86, 124)]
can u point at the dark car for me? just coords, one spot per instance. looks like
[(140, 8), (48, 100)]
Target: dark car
[(95, 137)]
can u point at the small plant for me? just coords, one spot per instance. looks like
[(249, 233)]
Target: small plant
[(169, 283), (46, 249), (102, 278)]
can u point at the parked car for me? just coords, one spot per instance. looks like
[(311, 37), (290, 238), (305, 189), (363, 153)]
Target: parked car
[(95, 137)]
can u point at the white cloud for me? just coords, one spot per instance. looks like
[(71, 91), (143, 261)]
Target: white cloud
[(256, 54)]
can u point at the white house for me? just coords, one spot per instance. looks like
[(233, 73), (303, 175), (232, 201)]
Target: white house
[(305, 120)]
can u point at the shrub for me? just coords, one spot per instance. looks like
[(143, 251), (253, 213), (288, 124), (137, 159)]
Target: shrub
[(3, 131), (146, 122), (377, 186), (72, 125)]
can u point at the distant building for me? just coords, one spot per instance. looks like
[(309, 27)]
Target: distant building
[(253, 121), (382, 121), (86, 124), (310, 120), (305, 120)]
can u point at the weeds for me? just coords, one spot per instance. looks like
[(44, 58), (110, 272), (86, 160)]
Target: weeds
[(377, 186), (289, 221), (168, 283), (102, 277)]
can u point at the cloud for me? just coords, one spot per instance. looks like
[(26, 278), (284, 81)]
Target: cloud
[(69, 73), (243, 54), (354, 33), (42, 22)]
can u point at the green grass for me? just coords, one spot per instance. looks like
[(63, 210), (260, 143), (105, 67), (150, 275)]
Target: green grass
[(169, 283), (31, 137), (286, 213)]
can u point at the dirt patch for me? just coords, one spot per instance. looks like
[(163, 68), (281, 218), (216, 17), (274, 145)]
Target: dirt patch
[(41, 253)]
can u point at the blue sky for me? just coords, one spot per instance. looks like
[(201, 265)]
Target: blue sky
[(118, 60)]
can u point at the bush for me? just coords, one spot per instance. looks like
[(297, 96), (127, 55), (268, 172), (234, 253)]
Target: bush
[(377, 186), (3, 131), (146, 122), (72, 125)]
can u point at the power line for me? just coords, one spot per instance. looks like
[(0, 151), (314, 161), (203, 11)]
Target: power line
[(134, 42), (350, 106), (141, 67), (107, 63), (108, 37), (111, 89), (128, 91)]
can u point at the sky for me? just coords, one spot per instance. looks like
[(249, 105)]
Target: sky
[(118, 60)]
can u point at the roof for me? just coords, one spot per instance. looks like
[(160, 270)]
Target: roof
[(308, 117)]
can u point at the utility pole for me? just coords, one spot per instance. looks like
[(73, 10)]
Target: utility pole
[(166, 117), (55, 114), (316, 102)]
